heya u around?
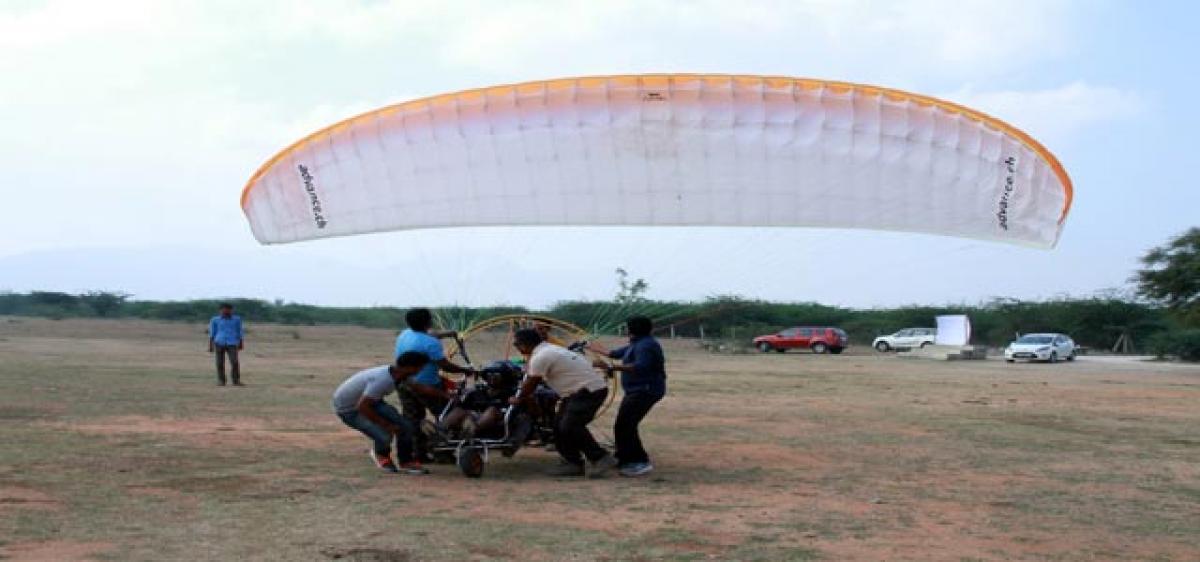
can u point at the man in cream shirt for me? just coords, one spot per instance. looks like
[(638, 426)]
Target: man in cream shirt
[(583, 391)]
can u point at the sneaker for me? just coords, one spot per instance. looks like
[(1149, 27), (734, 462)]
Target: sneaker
[(566, 469), (600, 468), (413, 467), (637, 469), (384, 462), (238, 383)]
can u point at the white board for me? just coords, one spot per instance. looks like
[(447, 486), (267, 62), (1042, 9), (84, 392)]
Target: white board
[(953, 330)]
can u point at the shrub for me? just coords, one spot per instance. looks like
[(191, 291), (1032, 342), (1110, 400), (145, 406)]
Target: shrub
[(1184, 344)]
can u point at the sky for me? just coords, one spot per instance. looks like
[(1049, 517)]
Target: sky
[(128, 129)]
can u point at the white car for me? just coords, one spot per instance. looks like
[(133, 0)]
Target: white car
[(907, 338), (1041, 347)]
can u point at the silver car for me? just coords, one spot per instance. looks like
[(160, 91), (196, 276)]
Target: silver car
[(907, 338), (1041, 347)]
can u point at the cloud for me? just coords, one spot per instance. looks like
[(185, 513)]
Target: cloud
[(969, 38), (1055, 114)]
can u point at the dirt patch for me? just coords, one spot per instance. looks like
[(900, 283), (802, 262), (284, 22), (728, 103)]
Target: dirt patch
[(14, 497), (53, 551), (936, 538), (25, 413), (756, 455), (211, 432), (360, 554)]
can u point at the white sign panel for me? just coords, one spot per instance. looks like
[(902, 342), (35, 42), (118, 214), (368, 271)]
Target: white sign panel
[(953, 330)]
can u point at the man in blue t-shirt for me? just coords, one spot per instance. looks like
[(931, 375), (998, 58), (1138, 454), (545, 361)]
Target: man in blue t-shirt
[(226, 339), (424, 392), (644, 380)]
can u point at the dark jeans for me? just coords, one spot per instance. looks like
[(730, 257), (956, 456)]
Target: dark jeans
[(235, 368), (381, 437), (634, 407), (415, 406), (573, 440), (548, 411)]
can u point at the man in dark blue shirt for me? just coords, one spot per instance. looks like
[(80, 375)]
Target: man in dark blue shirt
[(644, 379), (225, 338)]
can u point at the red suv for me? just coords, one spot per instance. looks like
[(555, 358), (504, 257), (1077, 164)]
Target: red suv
[(820, 339)]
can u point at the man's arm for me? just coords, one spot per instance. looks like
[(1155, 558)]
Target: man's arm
[(212, 333), (445, 365), (644, 358), (527, 387), (240, 335), (366, 407), (434, 350), (623, 368), (618, 353), (598, 348), (430, 391)]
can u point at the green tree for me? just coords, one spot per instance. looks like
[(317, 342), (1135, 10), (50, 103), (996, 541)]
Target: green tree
[(54, 298), (1171, 276), (630, 292), (104, 303)]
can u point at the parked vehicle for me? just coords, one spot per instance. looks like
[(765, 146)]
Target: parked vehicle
[(818, 339), (907, 338), (1041, 347)]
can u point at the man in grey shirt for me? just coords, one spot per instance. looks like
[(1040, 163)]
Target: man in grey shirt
[(359, 403)]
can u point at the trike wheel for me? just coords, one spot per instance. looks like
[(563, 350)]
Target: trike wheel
[(470, 461)]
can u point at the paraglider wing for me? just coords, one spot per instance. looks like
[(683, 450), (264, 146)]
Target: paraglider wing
[(700, 150)]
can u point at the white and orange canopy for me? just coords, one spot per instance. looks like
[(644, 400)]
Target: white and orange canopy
[(661, 150)]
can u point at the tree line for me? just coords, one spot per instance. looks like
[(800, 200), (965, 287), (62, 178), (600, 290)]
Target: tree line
[(1094, 321), (1162, 316)]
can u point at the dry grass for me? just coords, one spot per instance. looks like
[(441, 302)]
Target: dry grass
[(115, 444)]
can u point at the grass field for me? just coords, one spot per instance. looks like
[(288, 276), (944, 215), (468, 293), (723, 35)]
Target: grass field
[(115, 444)]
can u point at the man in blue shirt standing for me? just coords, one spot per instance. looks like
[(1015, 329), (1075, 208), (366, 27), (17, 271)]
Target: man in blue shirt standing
[(225, 338), (425, 391), (644, 379)]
